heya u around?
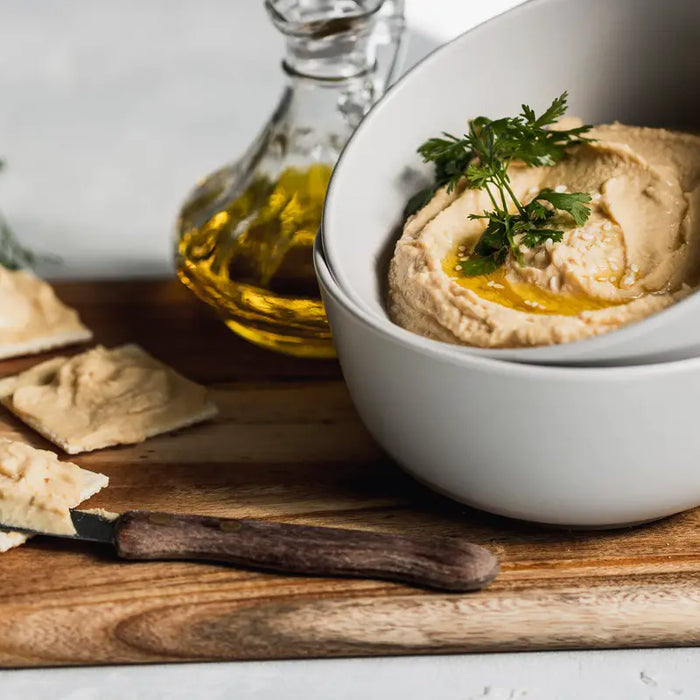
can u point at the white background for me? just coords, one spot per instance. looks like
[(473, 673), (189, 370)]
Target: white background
[(109, 111)]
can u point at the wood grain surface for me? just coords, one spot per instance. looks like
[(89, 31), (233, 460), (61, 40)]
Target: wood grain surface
[(288, 447)]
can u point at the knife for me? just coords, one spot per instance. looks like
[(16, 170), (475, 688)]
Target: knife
[(442, 563)]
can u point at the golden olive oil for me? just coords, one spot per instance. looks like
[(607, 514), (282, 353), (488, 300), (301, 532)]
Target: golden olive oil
[(252, 260), (497, 288)]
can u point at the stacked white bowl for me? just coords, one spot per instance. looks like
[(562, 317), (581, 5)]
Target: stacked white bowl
[(598, 433)]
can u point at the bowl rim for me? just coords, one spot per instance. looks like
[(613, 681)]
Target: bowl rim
[(623, 335), (448, 352)]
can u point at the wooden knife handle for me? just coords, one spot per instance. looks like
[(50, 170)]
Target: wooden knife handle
[(445, 563)]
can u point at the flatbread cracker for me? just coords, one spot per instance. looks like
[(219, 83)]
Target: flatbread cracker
[(37, 491), (104, 397), (32, 318), (10, 540)]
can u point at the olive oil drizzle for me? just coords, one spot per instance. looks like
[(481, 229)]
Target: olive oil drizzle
[(497, 288)]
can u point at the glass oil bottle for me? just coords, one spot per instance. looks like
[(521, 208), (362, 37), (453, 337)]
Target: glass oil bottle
[(245, 234)]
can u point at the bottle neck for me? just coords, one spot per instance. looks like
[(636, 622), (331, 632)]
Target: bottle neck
[(335, 105), (332, 72), (332, 79), (342, 58)]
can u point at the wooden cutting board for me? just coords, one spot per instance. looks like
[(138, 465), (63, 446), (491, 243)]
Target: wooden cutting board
[(288, 446)]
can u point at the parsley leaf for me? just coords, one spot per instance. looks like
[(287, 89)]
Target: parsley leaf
[(483, 156), (484, 265), (574, 203), (451, 157), (550, 115)]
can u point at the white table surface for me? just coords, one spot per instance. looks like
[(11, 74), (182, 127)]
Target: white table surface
[(109, 112)]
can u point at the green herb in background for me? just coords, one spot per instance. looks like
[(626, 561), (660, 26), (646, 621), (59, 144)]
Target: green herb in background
[(483, 156), (12, 254)]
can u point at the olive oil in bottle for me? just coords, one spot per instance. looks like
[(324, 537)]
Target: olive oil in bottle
[(245, 234), (252, 261)]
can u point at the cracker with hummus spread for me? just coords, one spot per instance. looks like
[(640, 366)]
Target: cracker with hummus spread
[(37, 491), (104, 397), (32, 318)]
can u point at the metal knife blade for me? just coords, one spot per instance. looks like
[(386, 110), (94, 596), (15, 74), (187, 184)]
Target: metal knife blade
[(89, 527)]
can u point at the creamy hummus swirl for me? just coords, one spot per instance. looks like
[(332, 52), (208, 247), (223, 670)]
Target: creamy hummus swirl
[(637, 254)]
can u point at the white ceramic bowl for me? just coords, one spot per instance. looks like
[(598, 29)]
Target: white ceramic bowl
[(586, 447), (636, 61)]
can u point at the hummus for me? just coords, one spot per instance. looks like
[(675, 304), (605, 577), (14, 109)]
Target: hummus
[(638, 253), (32, 318), (37, 490), (104, 397)]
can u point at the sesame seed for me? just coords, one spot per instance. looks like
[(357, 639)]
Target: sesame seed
[(498, 286), (490, 283), (458, 267), (587, 236), (560, 188), (634, 268), (596, 197), (554, 284), (607, 226)]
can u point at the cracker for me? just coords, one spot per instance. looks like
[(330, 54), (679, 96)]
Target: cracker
[(37, 491), (32, 318), (10, 540), (61, 399), (44, 343)]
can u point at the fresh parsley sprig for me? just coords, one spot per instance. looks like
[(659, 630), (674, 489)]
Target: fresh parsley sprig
[(483, 156), (12, 254)]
